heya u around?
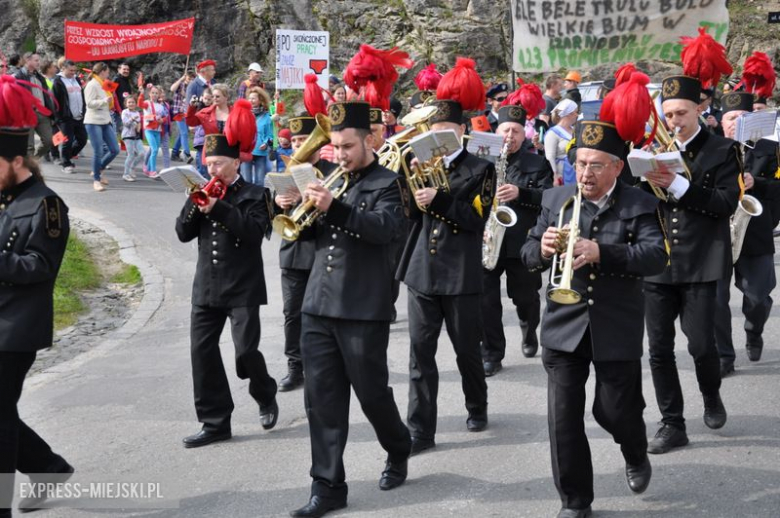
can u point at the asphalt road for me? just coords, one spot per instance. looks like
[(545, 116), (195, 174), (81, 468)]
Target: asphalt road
[(119, 412)]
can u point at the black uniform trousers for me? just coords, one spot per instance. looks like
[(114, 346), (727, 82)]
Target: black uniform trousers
[(463, 318), (293, 289), (694, 303), (213, 402), (522, 287), (337, 354), (77, 139), (20, 447), (617, 407), (755, 278)]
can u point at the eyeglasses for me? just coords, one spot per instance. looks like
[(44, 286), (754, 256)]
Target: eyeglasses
[(595, 167), (501, 99)]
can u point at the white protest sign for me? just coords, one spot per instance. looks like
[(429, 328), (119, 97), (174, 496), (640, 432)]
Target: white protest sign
[(579, 34), (299, 53)]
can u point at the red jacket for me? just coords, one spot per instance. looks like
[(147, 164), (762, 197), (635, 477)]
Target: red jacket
[(207, 117)]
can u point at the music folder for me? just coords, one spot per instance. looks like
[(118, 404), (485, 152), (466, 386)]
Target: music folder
[(183, 178)]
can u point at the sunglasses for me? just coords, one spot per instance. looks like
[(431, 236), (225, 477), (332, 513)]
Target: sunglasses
[(500, 99)]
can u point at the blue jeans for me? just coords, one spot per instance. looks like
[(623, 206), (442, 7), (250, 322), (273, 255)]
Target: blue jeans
[(101, 135), (153, 139), (254, 171), (182, 141)]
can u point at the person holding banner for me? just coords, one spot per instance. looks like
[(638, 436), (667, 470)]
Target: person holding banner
[(97, 121)]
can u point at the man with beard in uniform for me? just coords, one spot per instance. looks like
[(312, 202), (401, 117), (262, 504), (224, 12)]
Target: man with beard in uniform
[(527, 176), (754, 271), (696, 220), (347, 311), (296, 259), (442, 264), (229, 284)]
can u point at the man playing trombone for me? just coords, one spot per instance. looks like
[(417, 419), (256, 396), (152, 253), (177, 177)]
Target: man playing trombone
[(602, 322)]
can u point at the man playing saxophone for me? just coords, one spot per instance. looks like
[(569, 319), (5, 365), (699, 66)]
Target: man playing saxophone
[(620, 243), (527, 175)]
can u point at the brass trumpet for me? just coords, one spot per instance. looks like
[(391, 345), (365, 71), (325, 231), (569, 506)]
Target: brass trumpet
[(390, 152), (319, 137), (305, 214), (560, 290)]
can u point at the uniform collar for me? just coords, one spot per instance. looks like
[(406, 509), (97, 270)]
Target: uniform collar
[(682, 146), (357, 174), (11, 194), (452, 161)]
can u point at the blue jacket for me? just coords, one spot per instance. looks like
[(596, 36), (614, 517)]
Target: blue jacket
[(264, 133), (280, 165)]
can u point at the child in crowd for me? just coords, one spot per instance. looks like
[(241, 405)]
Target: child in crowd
[(155, 115), (131, 136), (284, 149)]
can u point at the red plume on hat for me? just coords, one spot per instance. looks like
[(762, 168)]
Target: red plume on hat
[(313, 99), (624, 73), (629, 107), (529, 96), (241, 126), (758, 75), (374, 71), (463, 85), (428, 78), (704, 58), (18, 105)]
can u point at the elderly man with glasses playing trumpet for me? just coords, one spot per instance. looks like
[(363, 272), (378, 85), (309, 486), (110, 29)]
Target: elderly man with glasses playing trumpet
[(595, 311)]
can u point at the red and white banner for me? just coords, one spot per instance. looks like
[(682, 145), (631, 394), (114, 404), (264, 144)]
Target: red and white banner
[(96, 42)]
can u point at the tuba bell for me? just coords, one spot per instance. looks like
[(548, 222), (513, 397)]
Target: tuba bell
[(560, 290), (390, 152), (318, 138)]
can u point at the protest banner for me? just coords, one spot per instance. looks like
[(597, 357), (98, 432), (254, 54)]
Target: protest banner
[(579, 34), (299, 53), (97, 42)]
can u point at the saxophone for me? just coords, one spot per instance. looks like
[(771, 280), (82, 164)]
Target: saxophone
[(500, 217), (749, 207)]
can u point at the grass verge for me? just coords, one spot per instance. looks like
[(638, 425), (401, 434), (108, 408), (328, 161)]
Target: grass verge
[(78, 273)]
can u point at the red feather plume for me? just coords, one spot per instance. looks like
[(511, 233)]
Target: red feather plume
[(373, 70), (463, 85), (624, 73), (758, 75), (428, 78), (530, 97), (241, 126), (704, 58), (17, 103), (628, 107), (312, 96)]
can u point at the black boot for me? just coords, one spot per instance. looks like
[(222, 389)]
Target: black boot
[(293, 380)]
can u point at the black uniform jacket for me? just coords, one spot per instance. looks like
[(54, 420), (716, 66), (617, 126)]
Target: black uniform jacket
[(532, 174), (443, 254), (299, 254), (630, 245), (697, 226), (762, 163), (229, 273), (352, 275), (34, 230)]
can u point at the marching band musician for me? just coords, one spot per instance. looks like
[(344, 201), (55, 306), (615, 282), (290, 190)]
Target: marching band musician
[(296, 259), (754, 271), (696, 221), (347, 311), (441, 262), (527, 176), (620, 243), (229, 283)]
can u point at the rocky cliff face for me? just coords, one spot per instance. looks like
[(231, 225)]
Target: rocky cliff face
[(237, 32)]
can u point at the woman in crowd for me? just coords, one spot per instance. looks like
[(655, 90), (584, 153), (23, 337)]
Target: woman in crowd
[(97, 121), (199, 136), (255, 170), (557, 139)]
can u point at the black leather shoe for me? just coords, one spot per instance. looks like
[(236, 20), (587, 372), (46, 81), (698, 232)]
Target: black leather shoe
[(292, 381), (317, 507), (420, 445), (726, 367), (477, 421), (666, 438), (34, 503), (565, 512), (638, 477), (492, 368), (529, 349), (394, 475), (754, 348), (714, 411), (269, 415), (204, 437)]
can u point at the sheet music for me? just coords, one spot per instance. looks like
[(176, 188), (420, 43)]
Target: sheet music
[(485, 145), (303, 175), (643, 162), (182, 178), (435, 144), (754, 126), (280, 183)]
